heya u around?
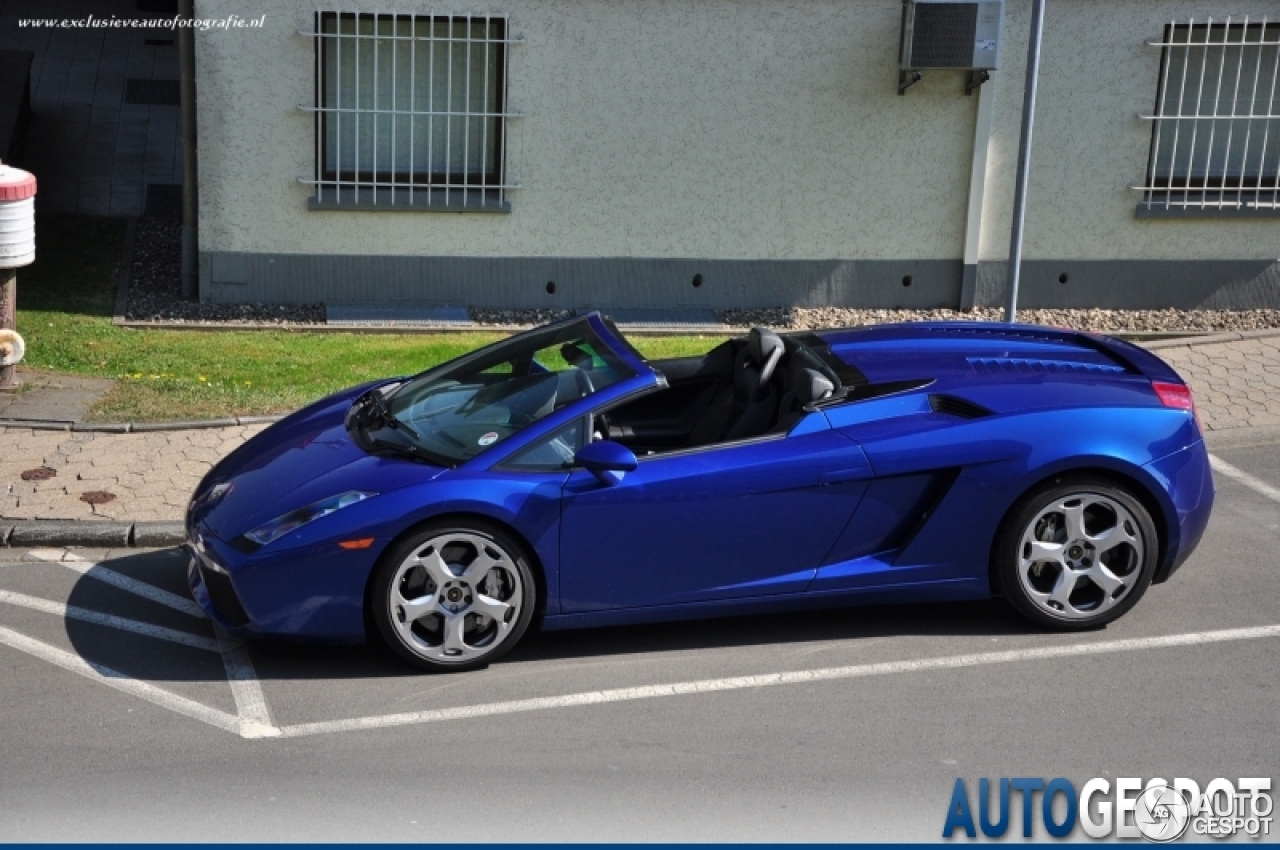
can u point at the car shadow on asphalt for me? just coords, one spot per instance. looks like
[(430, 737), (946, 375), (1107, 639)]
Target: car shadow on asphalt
[(157, 659)]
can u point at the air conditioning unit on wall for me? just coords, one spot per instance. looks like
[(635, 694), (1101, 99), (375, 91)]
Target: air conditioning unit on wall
[(940, 34)]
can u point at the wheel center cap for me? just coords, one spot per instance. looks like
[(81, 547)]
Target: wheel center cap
[(1075, 552), (455, 595)]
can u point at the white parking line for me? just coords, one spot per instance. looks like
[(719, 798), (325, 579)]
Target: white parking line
[(124, 624), (106, 575), (797, 677), (1256, 484), (251, 702), (121, 682)]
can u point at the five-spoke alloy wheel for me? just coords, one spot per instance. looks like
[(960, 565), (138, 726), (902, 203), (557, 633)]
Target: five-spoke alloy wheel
[(453, 596), (1076, 554)]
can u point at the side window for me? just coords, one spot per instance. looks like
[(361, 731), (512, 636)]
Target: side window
[(551, 453)]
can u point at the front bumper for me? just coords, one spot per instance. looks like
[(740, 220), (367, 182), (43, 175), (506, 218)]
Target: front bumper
[(213, 590)]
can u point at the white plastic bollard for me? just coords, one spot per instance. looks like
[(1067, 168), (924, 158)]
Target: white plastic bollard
[(17, 249), (17, 217)]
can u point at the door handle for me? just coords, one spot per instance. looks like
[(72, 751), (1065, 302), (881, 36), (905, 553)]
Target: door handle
[(842, 476)]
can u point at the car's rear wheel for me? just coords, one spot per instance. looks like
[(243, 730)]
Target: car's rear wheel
[(1076, 553), (454, 596)]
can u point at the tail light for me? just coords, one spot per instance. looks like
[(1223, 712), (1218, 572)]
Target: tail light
[(1177, 396)]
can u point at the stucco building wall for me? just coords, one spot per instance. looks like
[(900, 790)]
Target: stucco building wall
[(760, 143)]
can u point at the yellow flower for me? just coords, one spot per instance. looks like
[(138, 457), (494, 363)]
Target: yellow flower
[(203, 379)]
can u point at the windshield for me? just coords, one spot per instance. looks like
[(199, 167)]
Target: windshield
[(461, 409)]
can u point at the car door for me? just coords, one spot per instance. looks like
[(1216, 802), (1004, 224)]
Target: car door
[(728, 521)]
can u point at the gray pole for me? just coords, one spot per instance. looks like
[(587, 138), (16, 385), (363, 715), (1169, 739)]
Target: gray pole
[(8, 318), (187, 85), (1024, 157)]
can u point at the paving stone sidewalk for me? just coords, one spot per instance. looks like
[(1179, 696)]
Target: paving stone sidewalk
[(149, 476), (1236, 384), (152, 475)]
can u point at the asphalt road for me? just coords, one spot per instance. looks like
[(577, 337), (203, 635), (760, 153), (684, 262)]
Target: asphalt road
[(870, 754)]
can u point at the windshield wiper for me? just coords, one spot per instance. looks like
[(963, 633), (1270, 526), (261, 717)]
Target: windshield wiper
[(407, 449), (375, 402), (369, 413)]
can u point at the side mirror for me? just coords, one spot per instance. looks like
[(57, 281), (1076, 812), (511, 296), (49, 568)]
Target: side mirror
[(607, 461)]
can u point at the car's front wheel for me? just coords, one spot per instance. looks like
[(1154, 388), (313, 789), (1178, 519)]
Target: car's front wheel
[(454, 596), (1076, 553)]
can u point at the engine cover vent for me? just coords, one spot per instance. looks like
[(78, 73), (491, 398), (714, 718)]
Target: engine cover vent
[(1031, 366)]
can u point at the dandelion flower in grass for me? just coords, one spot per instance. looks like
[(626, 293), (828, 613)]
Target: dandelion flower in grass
[(203, 379)]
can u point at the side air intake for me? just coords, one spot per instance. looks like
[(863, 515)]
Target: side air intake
[(958, 407)]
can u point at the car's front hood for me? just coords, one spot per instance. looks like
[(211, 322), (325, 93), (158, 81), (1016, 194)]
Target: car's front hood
[(296, 462)]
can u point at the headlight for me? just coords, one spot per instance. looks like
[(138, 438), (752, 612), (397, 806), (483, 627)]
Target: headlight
[(282, 525)]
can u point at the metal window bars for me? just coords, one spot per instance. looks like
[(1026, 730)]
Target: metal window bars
[(1215, 139), (411, 110)]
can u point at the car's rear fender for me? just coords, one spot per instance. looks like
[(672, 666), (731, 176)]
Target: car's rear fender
[(1135, 479), (1003, 457)]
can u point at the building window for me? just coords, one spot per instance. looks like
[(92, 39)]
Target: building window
[(411, 112), (1215, 137)]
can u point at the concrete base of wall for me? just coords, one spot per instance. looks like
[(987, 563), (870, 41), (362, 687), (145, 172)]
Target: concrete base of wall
[(1134, 284), (578, 282), (624, 283)]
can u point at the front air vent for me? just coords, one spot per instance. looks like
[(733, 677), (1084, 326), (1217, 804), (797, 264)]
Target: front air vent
[(1034, 366), (223, 596), (958, 407)]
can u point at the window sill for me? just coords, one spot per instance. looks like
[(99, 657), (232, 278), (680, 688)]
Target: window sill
[(398, 200), (1156, 210)]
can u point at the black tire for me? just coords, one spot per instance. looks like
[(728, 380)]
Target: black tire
[(1079, 584), (460, 612)]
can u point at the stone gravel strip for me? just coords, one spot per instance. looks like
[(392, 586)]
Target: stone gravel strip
[(1104, 321)]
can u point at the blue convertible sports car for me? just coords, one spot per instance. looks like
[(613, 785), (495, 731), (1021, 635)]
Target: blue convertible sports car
[(559, 478)]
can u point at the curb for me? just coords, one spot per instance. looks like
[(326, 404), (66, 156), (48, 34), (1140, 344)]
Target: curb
[(416, 328), (91, 533), (1235, 438), (1211, 338), (137, 427)]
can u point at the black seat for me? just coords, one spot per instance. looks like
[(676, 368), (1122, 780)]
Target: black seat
[(804, 387), (755, 397)]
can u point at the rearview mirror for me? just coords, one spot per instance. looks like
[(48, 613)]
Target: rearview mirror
[(606, 460)]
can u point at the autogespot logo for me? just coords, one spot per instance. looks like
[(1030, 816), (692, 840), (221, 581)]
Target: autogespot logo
[(1157, 810)]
